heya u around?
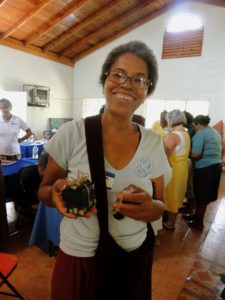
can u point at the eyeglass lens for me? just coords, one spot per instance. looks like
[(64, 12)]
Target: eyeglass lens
[(136, 81)]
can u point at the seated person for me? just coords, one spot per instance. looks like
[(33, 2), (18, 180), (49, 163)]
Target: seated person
[(30, 178)]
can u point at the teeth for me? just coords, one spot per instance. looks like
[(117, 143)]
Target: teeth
[(125, 97)]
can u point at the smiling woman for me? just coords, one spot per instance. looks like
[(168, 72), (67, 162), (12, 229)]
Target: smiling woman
[(133, 158)]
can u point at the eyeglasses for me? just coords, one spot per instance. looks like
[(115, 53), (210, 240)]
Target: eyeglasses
[(137, 81)]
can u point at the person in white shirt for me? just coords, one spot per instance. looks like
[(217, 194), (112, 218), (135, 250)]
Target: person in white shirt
[(134, 158), (10, 126)]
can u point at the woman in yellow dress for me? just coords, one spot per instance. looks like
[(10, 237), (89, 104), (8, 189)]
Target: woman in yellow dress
[(177, 146)]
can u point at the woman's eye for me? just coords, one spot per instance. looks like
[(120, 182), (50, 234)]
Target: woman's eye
[(118, 75), (138, 79)]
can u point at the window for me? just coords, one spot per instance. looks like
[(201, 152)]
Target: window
[(184, 22), (153, 108), (183, 37)]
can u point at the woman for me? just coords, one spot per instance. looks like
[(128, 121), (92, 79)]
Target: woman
[(177, 146), (10, 126), (206, 155), (133, 157), (161, 126), (189, 207)]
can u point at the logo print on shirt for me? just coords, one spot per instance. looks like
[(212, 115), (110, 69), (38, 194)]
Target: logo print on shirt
[(143, 169)]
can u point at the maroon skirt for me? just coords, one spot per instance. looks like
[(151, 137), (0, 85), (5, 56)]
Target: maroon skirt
[(71, 277), (112, 274)]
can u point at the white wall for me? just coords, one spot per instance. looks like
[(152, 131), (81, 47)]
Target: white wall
[(19, 68), (197, 78)]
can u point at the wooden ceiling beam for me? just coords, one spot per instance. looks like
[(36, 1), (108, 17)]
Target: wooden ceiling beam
[(212, 2), (108, 26), (26, 18), (2, 2), (73, 30), (125, 30), (57, 19), (18, 45)]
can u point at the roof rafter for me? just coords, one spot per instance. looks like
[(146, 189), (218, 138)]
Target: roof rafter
[(18, 45), (116, 21), (212, 2), (26, 18), (124, 31), (80, 26), (57, 19)]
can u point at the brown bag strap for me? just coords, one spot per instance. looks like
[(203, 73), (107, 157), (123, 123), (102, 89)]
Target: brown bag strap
[(93, 132)]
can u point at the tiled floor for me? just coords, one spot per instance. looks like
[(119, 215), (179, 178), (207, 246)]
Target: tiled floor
[(180, 252), (208, 272), (187, 262)]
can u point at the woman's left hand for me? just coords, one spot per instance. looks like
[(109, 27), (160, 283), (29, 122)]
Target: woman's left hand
[(136, 203)]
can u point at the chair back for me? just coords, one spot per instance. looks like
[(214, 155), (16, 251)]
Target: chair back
[(29, 182), (8, 263), (4, 232), (47, 134)]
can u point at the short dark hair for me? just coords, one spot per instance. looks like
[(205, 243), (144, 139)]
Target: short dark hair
[(189, 118), (163, 118), (140, 50), (6, 102), (101, 110), (201, 119)]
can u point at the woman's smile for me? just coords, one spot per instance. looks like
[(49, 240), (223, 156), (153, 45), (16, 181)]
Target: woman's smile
[(124, 97)]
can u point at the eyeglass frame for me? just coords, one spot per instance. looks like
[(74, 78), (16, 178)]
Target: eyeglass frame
[(130, 79)]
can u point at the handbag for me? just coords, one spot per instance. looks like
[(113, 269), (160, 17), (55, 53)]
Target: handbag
[(117, 274)]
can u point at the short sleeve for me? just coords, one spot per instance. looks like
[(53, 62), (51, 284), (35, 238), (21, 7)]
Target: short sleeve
[(197, 143), (61, 144), (23, 125)]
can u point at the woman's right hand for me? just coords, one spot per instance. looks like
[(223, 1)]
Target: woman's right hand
[(57, 199), (57, 188)]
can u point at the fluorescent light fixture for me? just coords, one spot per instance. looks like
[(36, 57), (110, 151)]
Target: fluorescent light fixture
[(184, 22)]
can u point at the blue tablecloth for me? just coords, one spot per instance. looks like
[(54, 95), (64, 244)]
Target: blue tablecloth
[(46, 227), (27, 147), (17, 165)]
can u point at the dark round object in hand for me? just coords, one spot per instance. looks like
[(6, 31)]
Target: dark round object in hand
[(118, 215)]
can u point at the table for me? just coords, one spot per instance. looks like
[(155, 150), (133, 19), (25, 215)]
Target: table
[(27, 147), (14, 168), (45, 227)]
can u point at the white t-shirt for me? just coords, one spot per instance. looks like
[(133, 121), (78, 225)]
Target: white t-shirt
[(68, 148), (9, 131)]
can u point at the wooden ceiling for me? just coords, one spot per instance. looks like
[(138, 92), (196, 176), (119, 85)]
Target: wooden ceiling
[(67, 30)]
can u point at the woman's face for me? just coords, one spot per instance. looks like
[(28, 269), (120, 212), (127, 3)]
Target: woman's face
[(123, 99), (4, 109), (197, 127)]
